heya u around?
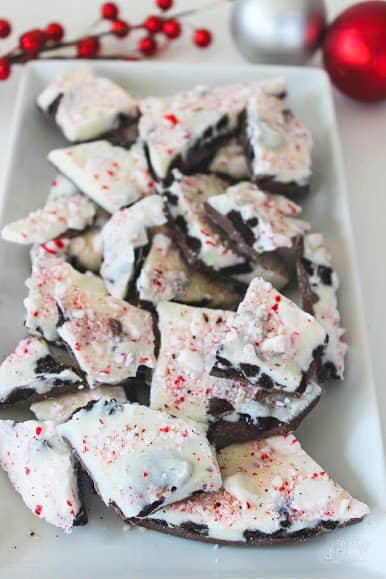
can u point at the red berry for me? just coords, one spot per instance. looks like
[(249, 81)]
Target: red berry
[(153, 24), (5, 28), (32, 41), (202, 37), (55, 32), (5, 69), (164, 4), (88, 47), (109, 11), (147, 45), (120, 28), (171, 28)]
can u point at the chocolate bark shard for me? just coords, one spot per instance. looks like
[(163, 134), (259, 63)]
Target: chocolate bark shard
[(109, 338), (256, 221), (183, 386), (273, 492), (165, 276), (278, 146), (230, 163), (319, 285), (199, 240), (151, 458), (183, 131), (31, 373), (43, 471), (113, 177), (85, 106), (123, 234), (48, 267), (272, 343), (66, 211), (61, 408)]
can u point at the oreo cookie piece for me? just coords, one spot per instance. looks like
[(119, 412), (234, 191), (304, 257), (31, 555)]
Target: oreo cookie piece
[(123, 235), (48, 267), (31, 373), (61, 408), (110, 339), (85, 106), (273, 492), (255, 221), (140, 459), (230, 163), (182, 384), (165, 276), (272, 343), (43, 471), (113, 177), (200, 241), (277, 145), (66, 212), (319, 284), (183, 131)]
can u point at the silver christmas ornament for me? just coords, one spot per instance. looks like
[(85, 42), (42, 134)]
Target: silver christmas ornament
[(278, 31)]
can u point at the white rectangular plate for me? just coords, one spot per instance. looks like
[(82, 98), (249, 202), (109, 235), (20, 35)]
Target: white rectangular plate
[(342, 433)]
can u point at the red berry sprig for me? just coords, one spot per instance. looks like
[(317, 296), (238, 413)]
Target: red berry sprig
[(158, 29)]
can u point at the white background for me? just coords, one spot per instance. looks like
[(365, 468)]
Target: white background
[(362, 130)]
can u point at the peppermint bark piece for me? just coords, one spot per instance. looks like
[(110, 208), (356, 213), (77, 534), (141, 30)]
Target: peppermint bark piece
[(43, 471), (199, 240), (183, 386), (319, 285), (183, 131), (111, 176), (255, 221), (272, 343), (151, 458), (47, 269), (273, 492), (31, 373), (110, 339), (230, 162), (278, 146), (61, 408), (166, 276), (123, 236), (65, 212), (85, 106)]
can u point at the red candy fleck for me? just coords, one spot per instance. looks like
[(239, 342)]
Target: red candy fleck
[(172, 119), (35, 314), (27, 470), (165, 429), (101, 421), (69, 503), (145, 474), (275, 307), (38, 430), (38, 510)]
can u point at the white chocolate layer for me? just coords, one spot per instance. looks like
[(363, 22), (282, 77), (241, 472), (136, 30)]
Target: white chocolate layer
[(111, 176), (269, 485), (126, 231), (42, 469), (66, 209), (230, 161), (109, 338), (137, 456)]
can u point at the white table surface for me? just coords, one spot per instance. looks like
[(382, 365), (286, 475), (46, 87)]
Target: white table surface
[(361, 126)]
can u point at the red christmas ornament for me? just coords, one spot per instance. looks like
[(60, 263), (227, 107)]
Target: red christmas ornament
[(5, 28), (202, 37), (5, 69), (171, 28), (54, 32), (153, 24), (164, 4), (32, 41), (354, 51), (120, 28), (147, 45), (88, 47), (109, 11)]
